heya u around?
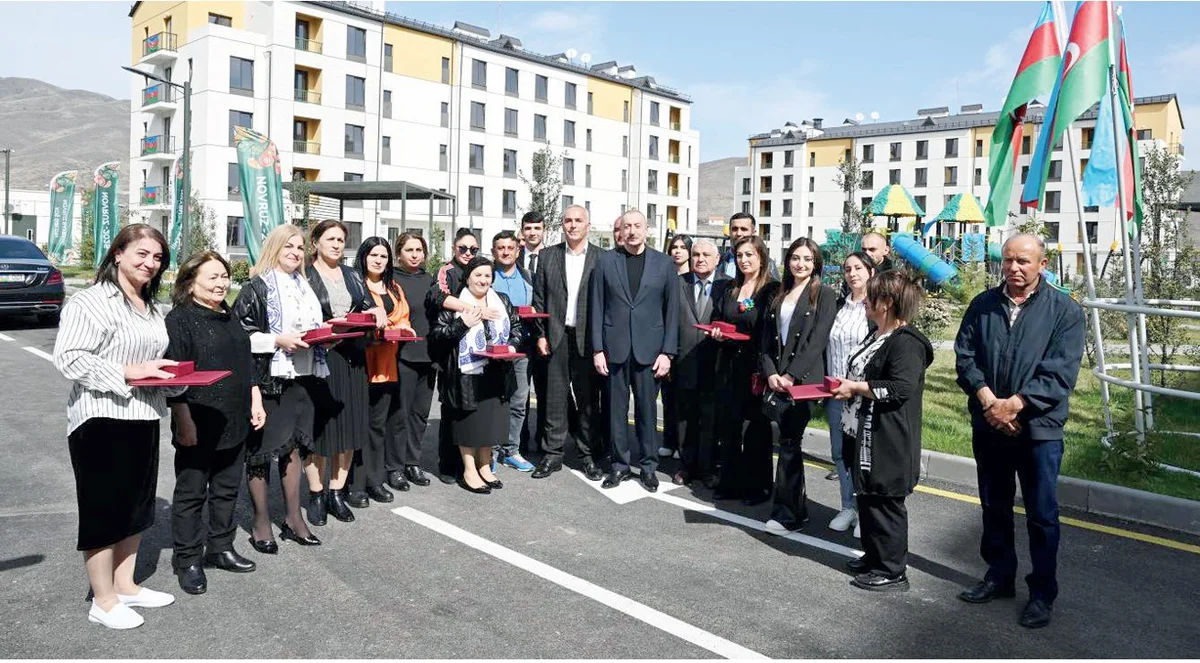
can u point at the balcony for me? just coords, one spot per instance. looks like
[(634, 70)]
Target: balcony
[(1176, 148), (306, 147), (676, 126), (155, 196), (159, 99), (309, 45), (160, 48), (674, 158), (673, 191), (158, 148), (307, 96)]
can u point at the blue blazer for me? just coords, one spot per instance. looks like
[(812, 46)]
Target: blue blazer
[(643, 323)]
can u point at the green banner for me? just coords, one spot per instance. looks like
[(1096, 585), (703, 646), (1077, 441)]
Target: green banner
[(178, 205), (62, 204), (106, 217), (262, 187)]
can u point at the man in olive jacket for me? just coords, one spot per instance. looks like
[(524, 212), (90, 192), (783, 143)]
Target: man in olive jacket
[(1018, 352)]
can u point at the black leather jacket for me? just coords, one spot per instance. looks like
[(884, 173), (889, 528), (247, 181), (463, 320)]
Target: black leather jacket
[(250, 309), (498, 375)]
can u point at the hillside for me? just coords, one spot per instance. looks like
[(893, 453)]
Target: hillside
[(716, 187)]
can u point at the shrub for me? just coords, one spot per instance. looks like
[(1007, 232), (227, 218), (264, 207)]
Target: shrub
[(241, 271), (935, 316)]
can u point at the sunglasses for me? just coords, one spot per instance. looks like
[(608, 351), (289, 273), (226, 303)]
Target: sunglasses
[(464, 250)]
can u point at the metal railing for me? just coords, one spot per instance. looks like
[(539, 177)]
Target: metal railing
[(309, 45), (676, 126), (157, 145), (305, 147), (308, 96), (673, 191), (163, 41), (158, 94), (674, 158)]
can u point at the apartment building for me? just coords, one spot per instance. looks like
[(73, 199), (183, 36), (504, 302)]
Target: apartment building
[(350, 93), (790, 185)]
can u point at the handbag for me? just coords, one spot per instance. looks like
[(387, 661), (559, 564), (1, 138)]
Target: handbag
[(758, 384), (775, 404)]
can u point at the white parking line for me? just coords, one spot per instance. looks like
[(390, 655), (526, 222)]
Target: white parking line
[(6, 337), (44, 355), (660, 620)]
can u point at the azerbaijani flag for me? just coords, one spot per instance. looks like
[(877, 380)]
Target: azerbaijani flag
[(1035, 78), (1131, 168), (1082, 81)]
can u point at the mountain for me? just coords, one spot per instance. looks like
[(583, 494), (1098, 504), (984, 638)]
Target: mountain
[(716, 187), (50, 129)]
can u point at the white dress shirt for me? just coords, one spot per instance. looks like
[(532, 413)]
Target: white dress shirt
[(574, 263)]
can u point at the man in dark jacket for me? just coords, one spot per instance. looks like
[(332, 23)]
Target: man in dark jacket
[(1018, 353)]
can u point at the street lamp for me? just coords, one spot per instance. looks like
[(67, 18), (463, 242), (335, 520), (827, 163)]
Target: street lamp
[(187, 141), (7, 224)]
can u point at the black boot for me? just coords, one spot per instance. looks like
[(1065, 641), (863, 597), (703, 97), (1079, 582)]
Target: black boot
[(317, 505), (338, 507)]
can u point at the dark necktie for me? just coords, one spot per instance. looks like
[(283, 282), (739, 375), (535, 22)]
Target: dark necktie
[(532, 267)]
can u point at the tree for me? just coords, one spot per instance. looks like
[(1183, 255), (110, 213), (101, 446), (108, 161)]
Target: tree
[(201, 229), (301, 195), (434, 260), (850, 178), (87, 237), (545, 186)]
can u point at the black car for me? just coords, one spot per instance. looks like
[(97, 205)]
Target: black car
[(29, 284)]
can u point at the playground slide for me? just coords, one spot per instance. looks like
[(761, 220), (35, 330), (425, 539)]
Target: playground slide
[(937, 270)]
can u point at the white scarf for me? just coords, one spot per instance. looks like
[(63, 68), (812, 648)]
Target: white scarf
[(483, 334), (292, 307)]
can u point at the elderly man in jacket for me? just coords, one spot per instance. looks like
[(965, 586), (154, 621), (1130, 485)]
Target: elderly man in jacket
[(1018, 353)]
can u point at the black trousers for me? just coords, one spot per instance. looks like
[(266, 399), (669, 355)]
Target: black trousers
[(367, 468), (643, 449), (533, 434), (696, 435), (415, 396), (884, 523), (745, 454), (790, 504), (204, 475), (572, 382), (671, 416)]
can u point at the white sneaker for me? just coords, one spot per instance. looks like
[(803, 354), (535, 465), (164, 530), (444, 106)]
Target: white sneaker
[(675, 455), (843, 521), (857, 530), (120, 617), (775, 527), (664, 452), (147, 598)]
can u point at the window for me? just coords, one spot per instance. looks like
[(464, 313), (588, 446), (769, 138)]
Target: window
[(589, 140), (510, 163), (387, 150), (508, 203), (920, 201), (443, 158), (239, 119), (477, 120), (356, 93), (356, 43), (1091, 227), (745, 186), (510, 121), (1051, 231), (217, 19), (568, 133), (354, 141), (541, 89), (589, 103), (300, 85), (1145, 134), (979, 148), (587, 175), (868, 179), (445, 70), (868, 154), (946, 199), (764, 208), (479, 77), (568, 169), (810, 210), (352, 177), (812, 158), (951, 175), (387, 57), (653, 151), (624, 146), (625, 112), (1026, 143), (789, 158), (764, 185), (511, 82), (445, 114), (922, 150), (1091, 208), (1087, 136), (539, 127), (625, 181), (652, 181), (476, 158), (922, 177), (654, 113), (1024, 173), (766, 160), (788, 181), (787, 207), (387, 103), (745, 207), (569, 92), (241, 75), (1082, 166), (234, 182), (689, 160), (951, 147), (235, 233), (1055, 171), (1053, 201), (894, 152), (894, 176), (475, 199), (567, 201), (978, 177)]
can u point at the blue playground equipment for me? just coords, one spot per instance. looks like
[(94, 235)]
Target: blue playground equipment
[(934, 268)]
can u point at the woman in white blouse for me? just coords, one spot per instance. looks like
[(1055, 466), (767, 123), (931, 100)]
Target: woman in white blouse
[(276, 307), (112, 334), (850, 327)]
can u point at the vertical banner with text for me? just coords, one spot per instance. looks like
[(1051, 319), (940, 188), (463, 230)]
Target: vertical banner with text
[(62, 204), (178, 207), (262, 187), (106, 217)]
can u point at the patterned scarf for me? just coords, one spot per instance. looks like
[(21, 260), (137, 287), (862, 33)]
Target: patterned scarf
[(301, 318), (483, 334)]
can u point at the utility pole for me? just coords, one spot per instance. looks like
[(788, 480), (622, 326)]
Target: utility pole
[(7, 219), (184, 238)]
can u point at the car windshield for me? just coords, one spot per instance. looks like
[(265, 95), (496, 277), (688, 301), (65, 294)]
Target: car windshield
[(20, 251)]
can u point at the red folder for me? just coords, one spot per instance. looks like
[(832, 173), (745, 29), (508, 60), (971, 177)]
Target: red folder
[(500, 352), (186, 375), (530, 313), (354, 321), (728, 329), (814, 392), (402, 335), (326, 335)]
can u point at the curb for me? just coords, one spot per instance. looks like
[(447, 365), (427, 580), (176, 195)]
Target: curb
[(1102, 499)]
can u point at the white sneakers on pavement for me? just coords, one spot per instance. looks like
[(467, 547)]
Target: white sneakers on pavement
[(146, 598), (775, 527), (843, 521), (857, 530), (664, 452), (121, 616)]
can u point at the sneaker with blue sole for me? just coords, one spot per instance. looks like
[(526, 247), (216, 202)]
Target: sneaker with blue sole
[(518, 463)]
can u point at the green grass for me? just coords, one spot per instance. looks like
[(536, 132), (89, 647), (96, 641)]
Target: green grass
[(78, 272), (946, 427)]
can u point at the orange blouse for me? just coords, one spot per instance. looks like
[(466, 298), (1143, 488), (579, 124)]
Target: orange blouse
[(381, 355)]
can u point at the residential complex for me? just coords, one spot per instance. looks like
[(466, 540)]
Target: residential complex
[(348, 93), (790, 182)]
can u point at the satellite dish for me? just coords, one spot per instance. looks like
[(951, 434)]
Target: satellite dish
[(858, 117), (874, 115), (585, 58), (571, 53)]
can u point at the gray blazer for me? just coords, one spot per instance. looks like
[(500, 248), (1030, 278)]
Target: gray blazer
[(693, 367), (639, 325), (550, 296)]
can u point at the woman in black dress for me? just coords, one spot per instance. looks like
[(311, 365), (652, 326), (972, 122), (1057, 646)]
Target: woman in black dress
[(343, 411), (745, 456), (680, 250), (475, 390), (402, 454), (209, 425)]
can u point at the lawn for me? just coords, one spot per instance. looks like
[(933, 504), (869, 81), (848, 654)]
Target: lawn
[(947, 428)]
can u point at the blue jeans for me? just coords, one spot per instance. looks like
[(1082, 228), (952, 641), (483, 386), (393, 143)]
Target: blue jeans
[(517, 411), (1036, 464), (833, 412)]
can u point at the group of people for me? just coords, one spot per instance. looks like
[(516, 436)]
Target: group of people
[(702, 327)]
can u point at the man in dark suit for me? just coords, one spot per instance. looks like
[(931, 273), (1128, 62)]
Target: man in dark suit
[(533, 231), (560, 288), (634, 333), (691, 379)]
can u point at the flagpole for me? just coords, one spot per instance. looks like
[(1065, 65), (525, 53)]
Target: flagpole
[(1060, 24)]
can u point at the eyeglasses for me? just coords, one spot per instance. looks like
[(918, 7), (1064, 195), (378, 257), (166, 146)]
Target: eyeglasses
[(464, 250)]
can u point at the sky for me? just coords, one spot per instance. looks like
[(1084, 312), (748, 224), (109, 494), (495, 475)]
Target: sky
[(748, 66)]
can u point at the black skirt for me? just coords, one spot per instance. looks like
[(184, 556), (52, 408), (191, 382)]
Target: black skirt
[(289, 421), (343, 408), (116, 474), (485, 426)]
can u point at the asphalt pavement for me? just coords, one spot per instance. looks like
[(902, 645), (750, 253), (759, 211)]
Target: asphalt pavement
[(556, 568)]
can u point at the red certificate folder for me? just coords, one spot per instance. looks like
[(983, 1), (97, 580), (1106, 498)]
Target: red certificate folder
[(402, 335), (326, 335), (728, 329), (814, 392), (530, 313), (354, 321), (500, 352), (186, 375)]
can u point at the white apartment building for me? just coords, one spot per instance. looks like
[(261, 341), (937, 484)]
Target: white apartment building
[(789, 183), (348, 92), (30, 215)]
